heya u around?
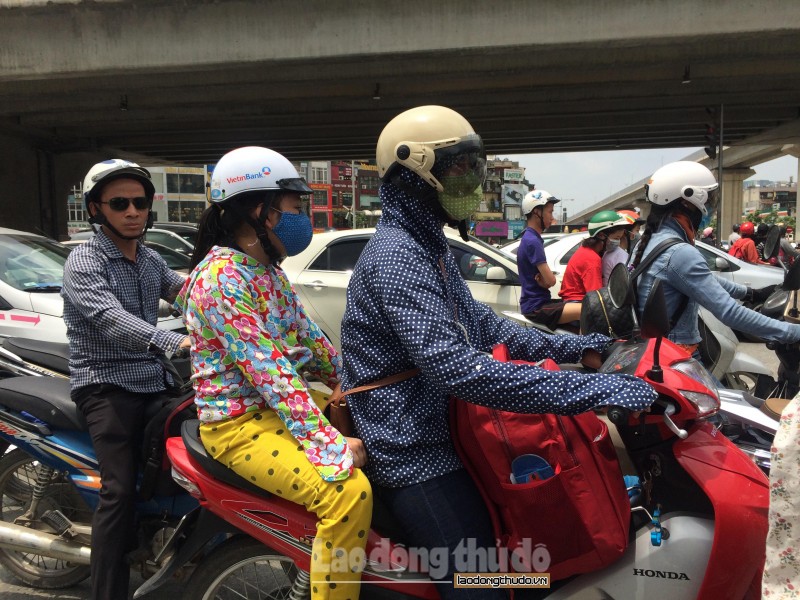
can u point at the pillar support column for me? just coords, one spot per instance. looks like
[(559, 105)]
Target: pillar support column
[(732, 198)]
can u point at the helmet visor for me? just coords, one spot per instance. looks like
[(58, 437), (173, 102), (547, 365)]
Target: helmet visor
[(294, 184), (713, 201), (467, 157)]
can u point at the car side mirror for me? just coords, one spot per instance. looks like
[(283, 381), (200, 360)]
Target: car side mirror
[(721, 263), (496, 275)]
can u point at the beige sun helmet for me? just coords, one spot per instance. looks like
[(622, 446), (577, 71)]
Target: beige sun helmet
[(419, 137)]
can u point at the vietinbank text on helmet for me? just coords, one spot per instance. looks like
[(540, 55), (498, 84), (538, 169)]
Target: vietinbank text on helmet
[(249, 176)]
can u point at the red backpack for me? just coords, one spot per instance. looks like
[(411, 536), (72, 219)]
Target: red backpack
[(581, 515)]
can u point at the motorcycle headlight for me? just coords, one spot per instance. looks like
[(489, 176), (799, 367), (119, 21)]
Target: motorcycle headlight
[(707, 404)]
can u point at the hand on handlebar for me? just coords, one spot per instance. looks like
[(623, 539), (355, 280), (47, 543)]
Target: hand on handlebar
[(760, 295)]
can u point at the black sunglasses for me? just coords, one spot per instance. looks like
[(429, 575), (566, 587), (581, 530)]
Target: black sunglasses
[(119, 204)]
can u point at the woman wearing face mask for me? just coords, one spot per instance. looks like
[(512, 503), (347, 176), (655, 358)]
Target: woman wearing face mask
[(618, 242), (586, 269), (252, 344)]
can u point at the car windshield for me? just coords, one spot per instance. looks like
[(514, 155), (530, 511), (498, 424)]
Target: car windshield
[(175, 260), (188, 235), (32, 264)]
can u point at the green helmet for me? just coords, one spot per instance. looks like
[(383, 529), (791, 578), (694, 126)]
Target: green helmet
[(606, 219)]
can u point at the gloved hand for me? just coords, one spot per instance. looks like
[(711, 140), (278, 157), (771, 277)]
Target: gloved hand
[(760, 295)]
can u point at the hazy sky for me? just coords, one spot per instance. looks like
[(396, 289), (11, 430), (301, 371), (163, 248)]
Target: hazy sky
[(589, 177)]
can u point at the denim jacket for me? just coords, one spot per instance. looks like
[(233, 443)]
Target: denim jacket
[(684, 272)]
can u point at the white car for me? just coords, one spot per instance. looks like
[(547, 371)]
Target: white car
[(321, 272), (561, 249), (178, 239), (31, 274), (511, 248)]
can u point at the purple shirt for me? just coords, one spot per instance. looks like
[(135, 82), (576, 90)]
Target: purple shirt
[(529, 256)]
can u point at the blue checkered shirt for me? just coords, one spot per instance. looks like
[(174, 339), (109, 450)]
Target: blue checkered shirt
[(111, 310)]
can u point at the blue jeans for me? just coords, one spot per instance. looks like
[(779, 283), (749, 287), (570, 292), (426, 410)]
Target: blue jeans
[(443, 513)]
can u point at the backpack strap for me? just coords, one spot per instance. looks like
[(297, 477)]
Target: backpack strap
[(655, 253)]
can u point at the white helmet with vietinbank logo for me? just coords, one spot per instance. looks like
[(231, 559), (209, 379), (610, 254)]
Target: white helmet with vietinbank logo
[(252, 169)]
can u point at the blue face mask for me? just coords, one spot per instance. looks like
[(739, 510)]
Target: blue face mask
[(294, 231)]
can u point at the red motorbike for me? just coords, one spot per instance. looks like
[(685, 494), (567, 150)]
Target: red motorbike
[(698, 527)]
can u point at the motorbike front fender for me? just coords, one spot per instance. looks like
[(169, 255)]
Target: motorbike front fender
[(739, 493), (744, 363)]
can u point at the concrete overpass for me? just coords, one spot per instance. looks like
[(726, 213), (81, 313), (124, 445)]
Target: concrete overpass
[(737, 166), (184, 82)]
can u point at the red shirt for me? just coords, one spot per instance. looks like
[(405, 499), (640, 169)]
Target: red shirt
[(584, 273), (745, 249)]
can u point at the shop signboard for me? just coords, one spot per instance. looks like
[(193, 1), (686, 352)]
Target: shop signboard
[(513, 175), (513, 193), (496, 229), (515, 228)]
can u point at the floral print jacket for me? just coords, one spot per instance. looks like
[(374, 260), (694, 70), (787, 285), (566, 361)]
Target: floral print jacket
[(782, 569), (251, 339)]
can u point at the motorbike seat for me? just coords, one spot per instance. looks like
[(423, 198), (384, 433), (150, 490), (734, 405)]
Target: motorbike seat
[(382, 519), (46, 398), (52, 355), (190, 433)]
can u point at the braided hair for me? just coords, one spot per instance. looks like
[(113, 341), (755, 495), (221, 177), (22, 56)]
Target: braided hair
[(652, 225), (219, 223)]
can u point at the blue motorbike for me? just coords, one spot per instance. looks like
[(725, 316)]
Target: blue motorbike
[(49, 477)]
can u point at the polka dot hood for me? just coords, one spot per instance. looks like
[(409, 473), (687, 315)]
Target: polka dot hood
[(408, 306)]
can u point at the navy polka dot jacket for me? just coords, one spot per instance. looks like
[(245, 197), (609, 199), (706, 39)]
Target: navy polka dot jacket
[(401, 313)]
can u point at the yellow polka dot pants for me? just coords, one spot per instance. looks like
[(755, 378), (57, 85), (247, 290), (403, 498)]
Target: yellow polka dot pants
[(258, 447)]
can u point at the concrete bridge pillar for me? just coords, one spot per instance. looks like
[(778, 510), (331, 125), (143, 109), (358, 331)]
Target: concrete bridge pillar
[(794, 150), (35, 183), (732, 198)]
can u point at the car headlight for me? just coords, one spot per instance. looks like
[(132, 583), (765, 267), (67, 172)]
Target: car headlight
[(707, 404)]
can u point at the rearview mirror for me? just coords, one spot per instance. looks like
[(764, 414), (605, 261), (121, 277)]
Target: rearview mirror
[(792, 279), (655, 318), (772, 242), (619, 286), (496, 275)]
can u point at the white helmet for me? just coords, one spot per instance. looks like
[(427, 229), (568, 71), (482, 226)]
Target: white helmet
[(423, 136), (114, 168), (536, 198), (683, 180), (252, 169)]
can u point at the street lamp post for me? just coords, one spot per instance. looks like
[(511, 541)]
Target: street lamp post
[(353, 191)]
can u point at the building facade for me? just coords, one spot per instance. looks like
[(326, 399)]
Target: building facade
[(765, 197)]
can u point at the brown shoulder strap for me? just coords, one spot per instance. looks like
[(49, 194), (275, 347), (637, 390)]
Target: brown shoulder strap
[(338, 396)]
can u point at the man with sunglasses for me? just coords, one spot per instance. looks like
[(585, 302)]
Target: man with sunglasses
[(112, 286)]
